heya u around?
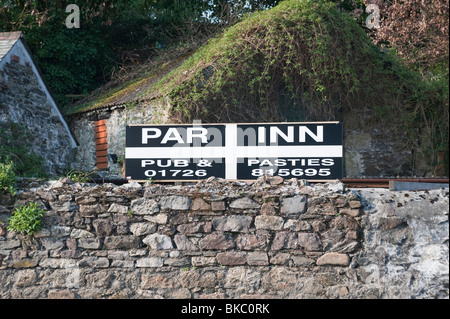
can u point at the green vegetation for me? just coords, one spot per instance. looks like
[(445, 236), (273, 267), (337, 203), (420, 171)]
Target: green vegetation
[(308, 60), (80, 176), (7, 178), (26, 219), (299, 56), (112, 34), (15, 148)]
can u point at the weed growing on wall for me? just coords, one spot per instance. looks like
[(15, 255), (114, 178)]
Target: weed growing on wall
[(26, 219), (7, 178), (80, 176)]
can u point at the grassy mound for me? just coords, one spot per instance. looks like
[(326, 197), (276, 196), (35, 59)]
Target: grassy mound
[(302, 60)]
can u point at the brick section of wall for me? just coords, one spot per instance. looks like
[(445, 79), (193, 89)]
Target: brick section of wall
[(101, 144)]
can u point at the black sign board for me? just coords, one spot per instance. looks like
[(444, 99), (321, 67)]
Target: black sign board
[(311, 151)]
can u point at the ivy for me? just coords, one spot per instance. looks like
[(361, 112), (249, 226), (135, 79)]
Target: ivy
[(306, 60)]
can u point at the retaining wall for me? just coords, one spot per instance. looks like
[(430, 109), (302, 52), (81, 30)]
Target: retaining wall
[(218, 239)]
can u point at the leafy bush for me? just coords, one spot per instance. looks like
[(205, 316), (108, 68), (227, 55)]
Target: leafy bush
[(73, 61), (7, 178), (27, 219)]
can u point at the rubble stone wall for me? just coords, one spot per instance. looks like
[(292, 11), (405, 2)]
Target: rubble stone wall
[(218, 239)]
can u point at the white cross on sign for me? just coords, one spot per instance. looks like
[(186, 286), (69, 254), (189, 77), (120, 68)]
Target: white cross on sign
[(310, 151)]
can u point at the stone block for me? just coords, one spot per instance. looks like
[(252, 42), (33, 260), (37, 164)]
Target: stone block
[(92, 210), (85, 200), (103, 227), (192, 228), (200, 261), (257, 259), (183, 243), (144, 206), (232, 223), (280, 259), (350, 212), (89, 243), (218, 206), (158, 241), (334, 259), (9, 244), (94, 262), (175, 202), (23, 263), (309, 241), (302, 261), (231, 258), (60, 231), (217, 241), (297, 225), (160, 219), (275, 180), (244, 203), (61, 294), (355, 204), (121, 242), (252, 242), (269, 222), (140, 229), (156, 281), (268, 209), (80, 233), (64, 206), (200, 204), (285, 240), (25, 278), (122, 263), (150, 262), (119, 209), (293, 206), (52, 243)]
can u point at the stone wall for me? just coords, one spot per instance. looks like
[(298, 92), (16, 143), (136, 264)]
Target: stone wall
[(24, 100), (218, 239), (376, 152)]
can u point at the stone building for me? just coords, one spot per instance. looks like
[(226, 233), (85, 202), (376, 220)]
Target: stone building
[(26, 100)]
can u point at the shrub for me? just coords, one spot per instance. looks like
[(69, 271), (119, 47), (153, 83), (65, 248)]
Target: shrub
[(26, 219), (7, 178)]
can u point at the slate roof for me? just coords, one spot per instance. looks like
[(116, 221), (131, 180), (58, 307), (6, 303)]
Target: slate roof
[(7, 40), (135, 90)]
